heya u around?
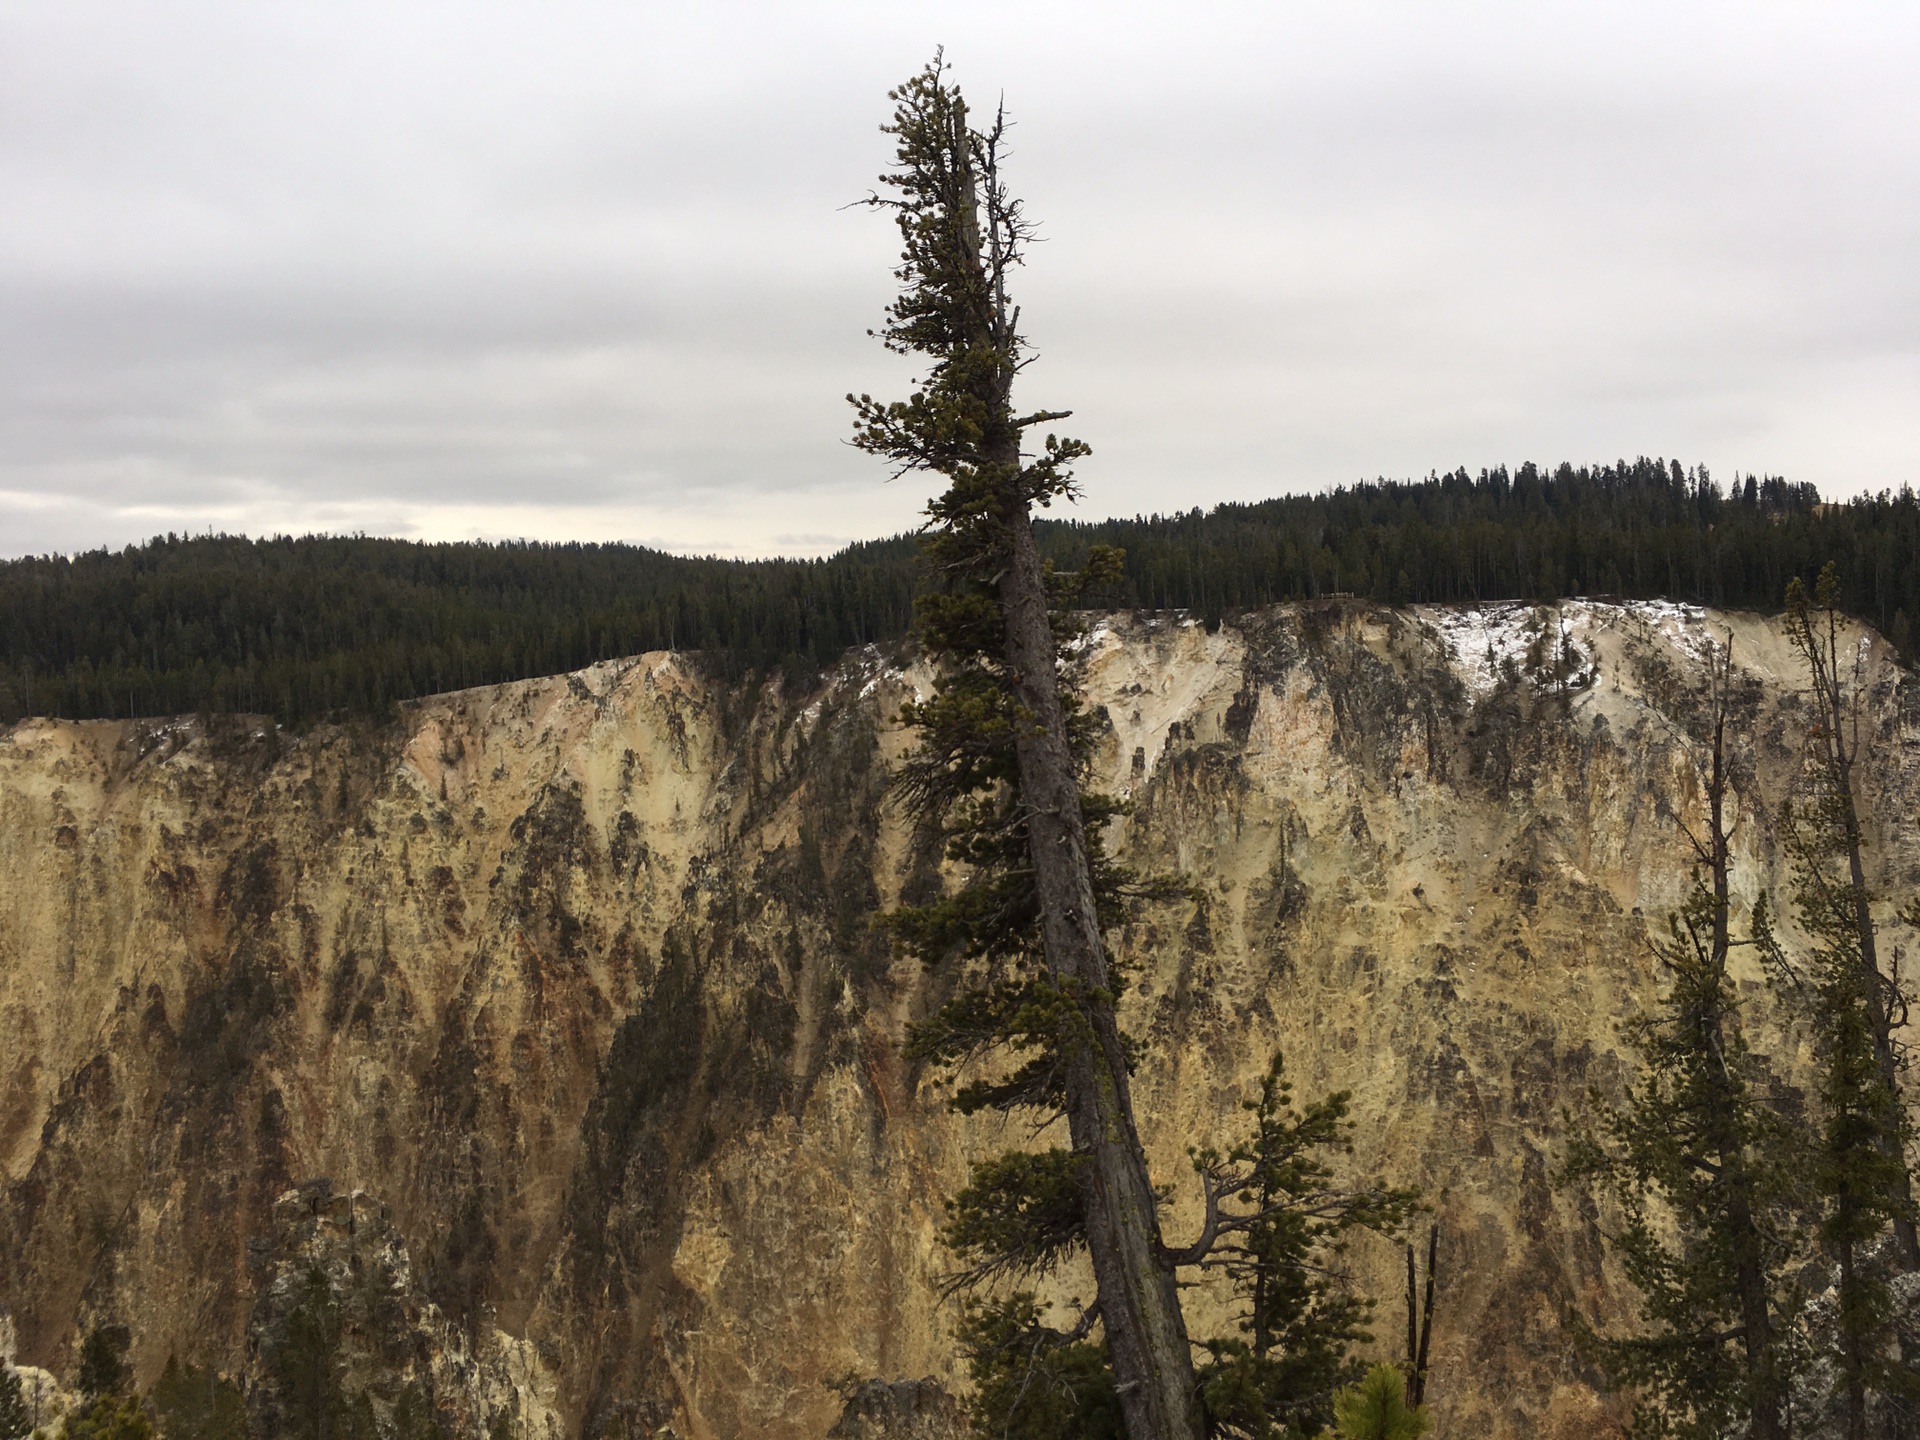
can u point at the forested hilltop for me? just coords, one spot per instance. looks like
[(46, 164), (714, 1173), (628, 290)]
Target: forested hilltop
[(311, 627)]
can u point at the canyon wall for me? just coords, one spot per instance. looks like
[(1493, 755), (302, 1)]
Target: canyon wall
[(575, 982)]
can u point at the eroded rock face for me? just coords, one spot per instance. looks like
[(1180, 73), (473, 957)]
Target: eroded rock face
[(578, 976), (340, 1341), (900, 1410)]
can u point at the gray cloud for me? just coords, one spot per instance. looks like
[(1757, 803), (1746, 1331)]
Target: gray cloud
[(583, 270)]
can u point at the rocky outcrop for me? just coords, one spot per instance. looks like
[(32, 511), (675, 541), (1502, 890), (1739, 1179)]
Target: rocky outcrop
[(578, 977), (42, 1396), (340, 1341), (900, 1410)]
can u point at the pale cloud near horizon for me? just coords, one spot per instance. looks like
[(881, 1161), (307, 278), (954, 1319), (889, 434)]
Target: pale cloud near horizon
[(583, 271)]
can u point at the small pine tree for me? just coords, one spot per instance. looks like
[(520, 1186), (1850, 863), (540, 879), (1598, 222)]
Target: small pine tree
[(103, 1365), (1299, 1320), (1377, 1409), (198, 1404), (415, 1418), (1277, 1223), (304, 1397), (1032, 1381), (111, 1416)]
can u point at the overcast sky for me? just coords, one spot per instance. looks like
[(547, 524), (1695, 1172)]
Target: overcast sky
[(582, 270)]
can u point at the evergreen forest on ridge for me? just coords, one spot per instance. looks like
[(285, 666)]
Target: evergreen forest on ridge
[(328, 626)]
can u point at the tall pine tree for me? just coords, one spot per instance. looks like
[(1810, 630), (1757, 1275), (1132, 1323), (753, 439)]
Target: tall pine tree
[(997, 754), (1699, 1163), (1853, 1007), (998, 772), (1832, 830)]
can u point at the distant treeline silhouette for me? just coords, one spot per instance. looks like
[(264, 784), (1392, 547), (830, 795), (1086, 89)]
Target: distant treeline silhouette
[(322, 626)]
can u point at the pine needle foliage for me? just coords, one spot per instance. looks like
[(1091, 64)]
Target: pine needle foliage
[(1278, 1224), (1855, 1009), (16, 1420), (998, 778), (110, 1416), (321, 626), (103, 1366), (1858, 1168), (1700, 1161), (1705, 1172), (304, 1364), (1030, 1027), (1377, 1409), (1032, 1381), (198, 1403)]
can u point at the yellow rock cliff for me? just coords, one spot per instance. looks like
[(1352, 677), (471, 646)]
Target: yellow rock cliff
[(578, 977)]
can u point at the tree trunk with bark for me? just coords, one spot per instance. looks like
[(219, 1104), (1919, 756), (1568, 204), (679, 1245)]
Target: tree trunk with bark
[(1764, 1380), (1139, 1302)]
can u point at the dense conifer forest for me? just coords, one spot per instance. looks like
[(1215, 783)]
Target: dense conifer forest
[(318, 626)]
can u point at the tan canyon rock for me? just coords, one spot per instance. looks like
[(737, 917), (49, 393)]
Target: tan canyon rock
[(578, 977)]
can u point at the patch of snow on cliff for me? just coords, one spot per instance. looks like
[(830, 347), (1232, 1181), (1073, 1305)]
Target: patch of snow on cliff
[(1482, 641), (1093, 637), (871, 668), (891, 675), (1682, 626)]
